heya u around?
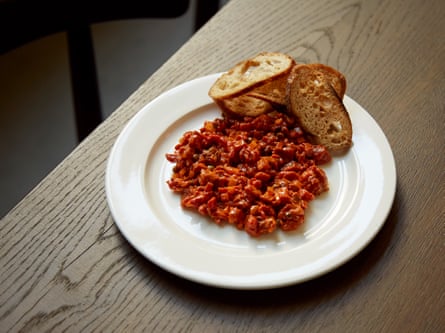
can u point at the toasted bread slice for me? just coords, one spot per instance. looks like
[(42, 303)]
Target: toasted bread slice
[(335, 78), (264, 74), (318, 108), (244, 106), (273, 92)]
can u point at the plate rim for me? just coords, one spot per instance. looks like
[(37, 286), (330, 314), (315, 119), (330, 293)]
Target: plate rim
[(238, 284)]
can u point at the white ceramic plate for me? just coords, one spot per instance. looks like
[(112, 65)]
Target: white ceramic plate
[(338, 224)]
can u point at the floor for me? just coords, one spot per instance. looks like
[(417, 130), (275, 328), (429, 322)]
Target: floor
[(36, 113)]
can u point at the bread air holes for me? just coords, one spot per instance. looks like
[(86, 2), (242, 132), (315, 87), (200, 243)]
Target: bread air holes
[(321, 110), (273, 61), (249, 67), (317, 82), (302, 85), (225, 85), (334, 127), (274, 64), (325, 101), (229, 85)]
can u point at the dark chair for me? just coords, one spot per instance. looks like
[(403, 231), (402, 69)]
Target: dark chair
[(22, 21)]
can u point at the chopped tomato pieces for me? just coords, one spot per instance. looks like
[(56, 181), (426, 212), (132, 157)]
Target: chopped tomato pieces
[(258, 174)]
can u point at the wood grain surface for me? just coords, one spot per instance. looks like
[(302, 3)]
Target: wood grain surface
[(66, 268)]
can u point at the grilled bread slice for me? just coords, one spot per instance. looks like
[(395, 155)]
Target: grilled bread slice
[(318, 107), (265, 74)]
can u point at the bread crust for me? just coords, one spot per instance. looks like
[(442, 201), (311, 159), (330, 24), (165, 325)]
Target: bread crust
[(255, 85), (314, 101), (335, 78), (244, 106)]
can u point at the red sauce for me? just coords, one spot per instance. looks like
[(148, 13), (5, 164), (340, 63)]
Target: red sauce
[(258, 174)]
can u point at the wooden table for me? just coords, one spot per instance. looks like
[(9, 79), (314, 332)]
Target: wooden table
[(66, 267)]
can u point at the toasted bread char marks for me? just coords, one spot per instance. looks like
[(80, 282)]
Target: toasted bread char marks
[(252, 86), (316, 104)]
